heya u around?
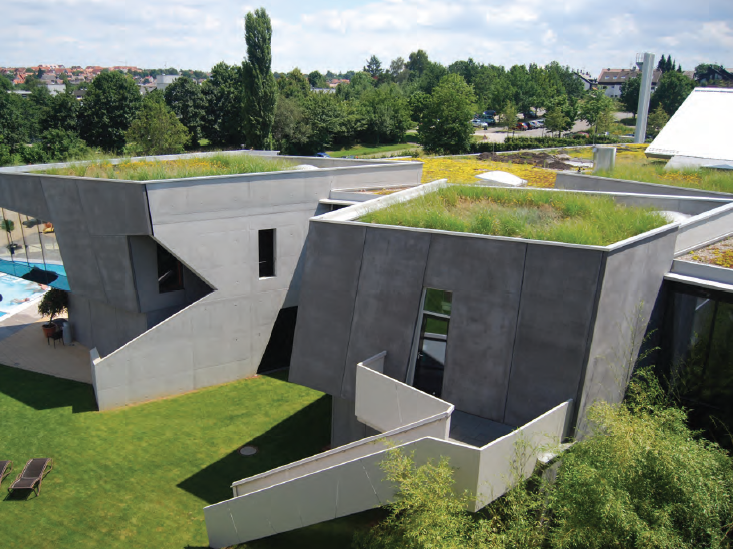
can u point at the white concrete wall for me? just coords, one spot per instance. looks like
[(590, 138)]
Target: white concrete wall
[(349, 479), (700, 230)]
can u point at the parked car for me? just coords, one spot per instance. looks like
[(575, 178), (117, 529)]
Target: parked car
[(532, 125), (476, 123), (522, 126), (490, 114), (489, 120), (323, 155), (540, 122)]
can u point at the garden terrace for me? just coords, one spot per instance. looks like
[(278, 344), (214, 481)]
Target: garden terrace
[(572, 218), (719, 181)]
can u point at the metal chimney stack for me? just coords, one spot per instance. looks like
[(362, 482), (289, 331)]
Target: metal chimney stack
[(646, 64)]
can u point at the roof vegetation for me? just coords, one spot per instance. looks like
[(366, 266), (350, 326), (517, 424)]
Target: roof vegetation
[(149, 170), (654, 172), (533, 214)]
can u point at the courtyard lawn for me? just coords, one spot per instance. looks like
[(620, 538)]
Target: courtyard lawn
[(149, 170), (140, 476)]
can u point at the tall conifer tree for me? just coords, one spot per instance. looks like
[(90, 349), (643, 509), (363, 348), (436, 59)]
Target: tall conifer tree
[(260, 89)]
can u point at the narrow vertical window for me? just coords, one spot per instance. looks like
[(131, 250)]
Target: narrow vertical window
[(170, 271), (267, 252)]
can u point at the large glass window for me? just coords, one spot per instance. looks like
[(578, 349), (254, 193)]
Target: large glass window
[(170, 272), (432, 342), (698, 352)]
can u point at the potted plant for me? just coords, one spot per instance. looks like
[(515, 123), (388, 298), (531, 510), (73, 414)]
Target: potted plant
[(54, 302)]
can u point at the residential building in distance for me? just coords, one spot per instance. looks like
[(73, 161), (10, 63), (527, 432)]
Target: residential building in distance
[(610, 80), (588, 81), (162, 81)]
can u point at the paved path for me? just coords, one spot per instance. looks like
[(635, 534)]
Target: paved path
[(23, 345)]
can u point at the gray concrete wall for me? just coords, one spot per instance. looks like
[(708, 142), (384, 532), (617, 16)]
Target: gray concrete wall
[(632, 278), (92, 221), (704, 229), (211, 225), (581, 182)]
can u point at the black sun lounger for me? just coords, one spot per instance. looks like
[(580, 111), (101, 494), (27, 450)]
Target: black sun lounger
[(5, 468), (31, 476)]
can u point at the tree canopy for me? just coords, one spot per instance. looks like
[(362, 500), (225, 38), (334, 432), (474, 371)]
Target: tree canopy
[(445, 125), (186, 100), (110, 104)]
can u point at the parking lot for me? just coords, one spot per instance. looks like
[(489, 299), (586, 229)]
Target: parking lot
[(497, 134)]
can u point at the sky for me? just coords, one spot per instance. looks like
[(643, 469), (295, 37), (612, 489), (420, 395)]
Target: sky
[(341, 35)]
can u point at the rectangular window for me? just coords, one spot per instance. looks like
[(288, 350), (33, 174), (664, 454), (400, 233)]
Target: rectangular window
[(170, 272), (432, 341), (267, 252)]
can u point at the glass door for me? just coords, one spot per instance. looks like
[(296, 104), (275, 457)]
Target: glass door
[(432, 342)]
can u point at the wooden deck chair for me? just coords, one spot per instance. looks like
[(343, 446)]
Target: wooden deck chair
[(31, 477), (5, 468)]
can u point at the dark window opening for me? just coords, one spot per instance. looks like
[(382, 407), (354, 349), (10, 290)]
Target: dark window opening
[(170, 272), (267, 252), (433, 341)]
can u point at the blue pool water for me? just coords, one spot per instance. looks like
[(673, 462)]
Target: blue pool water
[(16, 293)]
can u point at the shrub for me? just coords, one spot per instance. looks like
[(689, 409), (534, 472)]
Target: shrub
[(53, 303), (521, 143)]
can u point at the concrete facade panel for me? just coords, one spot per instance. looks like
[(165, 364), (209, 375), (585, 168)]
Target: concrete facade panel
[(485, 277), (330, 280), (388, 301), (116, 271), (632, 281), (114, 208), (24, 194), (559, 294)]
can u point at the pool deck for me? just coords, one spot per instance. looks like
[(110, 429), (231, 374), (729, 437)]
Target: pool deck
[(23, 345)]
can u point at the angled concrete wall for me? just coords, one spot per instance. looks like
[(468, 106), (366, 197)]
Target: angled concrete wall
[(211, 225), (349, 479), (524, 322)]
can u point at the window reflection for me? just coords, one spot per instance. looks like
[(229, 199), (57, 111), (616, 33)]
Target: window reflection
[(28, 249)]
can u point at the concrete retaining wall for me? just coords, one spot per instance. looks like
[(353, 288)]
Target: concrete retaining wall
[(341, 482), (704, 229)]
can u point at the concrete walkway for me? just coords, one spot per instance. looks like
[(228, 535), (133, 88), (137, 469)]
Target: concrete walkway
[(23, 345)]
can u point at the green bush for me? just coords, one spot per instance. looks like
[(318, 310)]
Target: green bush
[(642, 479)]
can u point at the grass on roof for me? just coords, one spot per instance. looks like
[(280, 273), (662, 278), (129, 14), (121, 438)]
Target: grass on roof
[(538, 215), (653, 172), (140, 476), (149, 170)]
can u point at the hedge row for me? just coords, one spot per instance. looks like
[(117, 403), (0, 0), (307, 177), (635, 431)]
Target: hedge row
[(520, 143)]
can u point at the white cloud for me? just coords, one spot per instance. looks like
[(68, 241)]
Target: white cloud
[(325, 34)]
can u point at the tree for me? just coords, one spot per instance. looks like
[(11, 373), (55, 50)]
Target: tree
[(260, 89), (373, 67), (555, 120), (656, 121), (186, 100), (317, 80), (671, 92), (224, 111), (290, 128), (417, 62), (5, 83), (398, 70), (156, 129), (293, 84), (662, 64), (509, 115), (110, 104), (360, 82), (60, 145), (13, 125), (323, 116), (62, 113), (630, 90), (597, 111), (446, 123), (386, 113)]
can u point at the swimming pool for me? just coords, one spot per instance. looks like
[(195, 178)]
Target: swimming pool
[(17, 293)]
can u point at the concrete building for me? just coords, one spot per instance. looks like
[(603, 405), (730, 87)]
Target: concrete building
[(162, 81), (178, 284), (452, 344)]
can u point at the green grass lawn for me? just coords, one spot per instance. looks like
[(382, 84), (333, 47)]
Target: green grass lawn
[(654, 172), (538, 215), (369, 150), (145, 170), (140, 476)]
